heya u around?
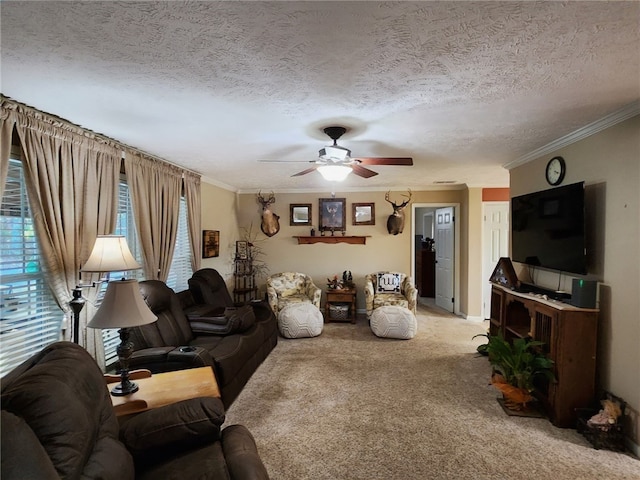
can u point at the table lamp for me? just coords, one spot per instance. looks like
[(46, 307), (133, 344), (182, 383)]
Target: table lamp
[(123, 307)]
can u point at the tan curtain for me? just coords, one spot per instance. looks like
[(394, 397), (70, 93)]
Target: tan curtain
[(7, 121), (72, 184), (155, 189), (193, 199)]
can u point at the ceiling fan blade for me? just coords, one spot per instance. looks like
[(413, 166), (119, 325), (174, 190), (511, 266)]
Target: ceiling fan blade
[(285, 161), (304, 172), (363, 172), (385, 160)]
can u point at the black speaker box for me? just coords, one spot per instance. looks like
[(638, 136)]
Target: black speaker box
[(584, 293)]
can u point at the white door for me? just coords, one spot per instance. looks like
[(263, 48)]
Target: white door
[(444, 257), (495, 244)]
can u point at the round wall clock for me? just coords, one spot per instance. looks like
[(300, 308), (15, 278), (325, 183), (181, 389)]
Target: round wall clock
[(555, 171)]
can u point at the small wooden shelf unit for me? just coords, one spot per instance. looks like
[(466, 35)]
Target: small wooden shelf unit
[(569, 334), (343, 296), (245, 288)]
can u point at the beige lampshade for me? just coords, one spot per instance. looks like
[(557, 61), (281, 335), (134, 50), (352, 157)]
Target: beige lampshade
[(110, 254), (122, 307)]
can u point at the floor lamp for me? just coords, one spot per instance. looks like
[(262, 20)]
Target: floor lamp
[(110, 253)]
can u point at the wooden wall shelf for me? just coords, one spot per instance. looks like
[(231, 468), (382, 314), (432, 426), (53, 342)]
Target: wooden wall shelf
[(353, 240)]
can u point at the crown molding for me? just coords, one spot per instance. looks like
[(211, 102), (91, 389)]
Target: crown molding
[(218, 184), (628, 111), (396, 188)]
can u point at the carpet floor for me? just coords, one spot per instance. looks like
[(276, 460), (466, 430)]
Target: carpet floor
[(350, 406)]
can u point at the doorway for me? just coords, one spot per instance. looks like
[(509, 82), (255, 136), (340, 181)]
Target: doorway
[(446, 270)]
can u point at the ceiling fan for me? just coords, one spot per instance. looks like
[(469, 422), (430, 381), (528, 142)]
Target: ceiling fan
[(335, 162)]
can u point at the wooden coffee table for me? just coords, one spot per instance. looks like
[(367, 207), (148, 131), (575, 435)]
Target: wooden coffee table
[(166, 388)]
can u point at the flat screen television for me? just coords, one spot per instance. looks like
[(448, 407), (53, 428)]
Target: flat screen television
[(548, 229)]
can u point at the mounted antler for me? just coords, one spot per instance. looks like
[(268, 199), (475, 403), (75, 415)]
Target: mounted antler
[(395, 222), (270, 224)]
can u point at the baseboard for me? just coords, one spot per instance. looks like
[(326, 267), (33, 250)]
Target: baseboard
[(632, 447), (474, 318)]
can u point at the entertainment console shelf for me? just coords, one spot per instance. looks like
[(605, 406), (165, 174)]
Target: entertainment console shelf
[(569, 334)]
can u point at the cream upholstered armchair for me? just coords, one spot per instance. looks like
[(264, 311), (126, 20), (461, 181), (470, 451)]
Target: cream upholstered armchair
[(389, 288), (291, 287)]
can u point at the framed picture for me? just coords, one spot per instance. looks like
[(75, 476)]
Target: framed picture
[(242, 249), (364, 213), (300, 214), (210, 243), (332, 214)]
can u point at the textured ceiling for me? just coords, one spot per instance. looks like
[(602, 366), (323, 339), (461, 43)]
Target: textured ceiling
[(219, 87)]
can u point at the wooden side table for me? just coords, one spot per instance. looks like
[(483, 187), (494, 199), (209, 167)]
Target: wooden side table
[(341, 296), (166, 388)]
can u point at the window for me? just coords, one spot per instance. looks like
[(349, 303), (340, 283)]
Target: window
[(124, 226), (30, 319), (180, 270)]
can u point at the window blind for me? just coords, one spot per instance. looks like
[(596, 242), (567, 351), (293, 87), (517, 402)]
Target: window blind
[(180, 271), (30, 319), (125, 226)]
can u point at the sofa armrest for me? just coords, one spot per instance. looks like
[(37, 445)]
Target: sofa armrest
[(158, 359), (262, 310), (167, 430), (241, 454), (272, 298), (368, 294), (411, 293), (314, 293), (226, 322), (204, 310), (190, 355)]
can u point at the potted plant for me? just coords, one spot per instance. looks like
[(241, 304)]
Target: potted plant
[(516, 367)]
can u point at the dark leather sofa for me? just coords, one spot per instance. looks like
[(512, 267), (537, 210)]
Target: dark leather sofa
[(234, 340), (58, 422)]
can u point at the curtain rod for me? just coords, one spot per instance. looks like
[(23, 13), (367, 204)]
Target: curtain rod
[(53, 119)]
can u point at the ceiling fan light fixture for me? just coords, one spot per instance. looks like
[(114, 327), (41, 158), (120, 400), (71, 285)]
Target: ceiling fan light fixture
[(334, 153), (334, 173)]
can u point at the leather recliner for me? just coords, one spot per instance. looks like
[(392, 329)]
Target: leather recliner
[(209, 288), (58, 422), (234, 341)]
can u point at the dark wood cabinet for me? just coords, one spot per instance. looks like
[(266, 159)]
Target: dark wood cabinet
[(570, 338), (426, 273)]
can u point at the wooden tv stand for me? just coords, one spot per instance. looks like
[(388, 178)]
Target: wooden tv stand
[(569, 334)]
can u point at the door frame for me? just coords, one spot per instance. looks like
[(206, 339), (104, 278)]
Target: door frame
[(456, 247)]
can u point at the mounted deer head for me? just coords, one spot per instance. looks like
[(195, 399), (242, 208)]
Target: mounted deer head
[(270, 224), (395, 222)]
